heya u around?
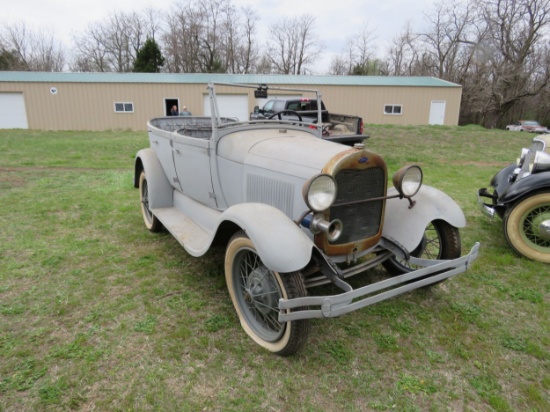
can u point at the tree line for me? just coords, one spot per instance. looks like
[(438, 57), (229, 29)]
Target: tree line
[(498, 50)]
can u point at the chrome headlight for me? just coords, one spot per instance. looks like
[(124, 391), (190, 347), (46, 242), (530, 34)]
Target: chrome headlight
[(320, 192), (408, 180), (541, 163)]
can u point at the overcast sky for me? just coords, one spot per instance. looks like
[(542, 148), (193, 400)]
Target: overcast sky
[(336, 20)]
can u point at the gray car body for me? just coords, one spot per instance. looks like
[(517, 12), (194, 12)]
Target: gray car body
[(250, 176)]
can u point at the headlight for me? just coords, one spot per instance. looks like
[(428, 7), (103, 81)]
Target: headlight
[(541, 162), (408, 180), (319, 192)]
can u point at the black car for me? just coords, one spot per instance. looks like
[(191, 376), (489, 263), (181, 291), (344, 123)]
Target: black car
[(520, 196)]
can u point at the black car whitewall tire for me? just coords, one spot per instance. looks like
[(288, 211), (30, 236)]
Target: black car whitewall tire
[(255, 292), (150, 220), (522, 227)]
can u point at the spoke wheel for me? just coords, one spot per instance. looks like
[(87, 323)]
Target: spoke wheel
[(150, 220), (526, 227), (255, 291), (440, 241)]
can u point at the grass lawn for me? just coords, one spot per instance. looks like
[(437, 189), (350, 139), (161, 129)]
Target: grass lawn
[(97, 313)]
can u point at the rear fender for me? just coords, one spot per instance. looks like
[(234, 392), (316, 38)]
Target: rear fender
[(160, 191), (407, 225), (281, 244)]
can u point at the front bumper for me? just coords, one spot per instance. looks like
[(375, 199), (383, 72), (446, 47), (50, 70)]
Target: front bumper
[(336, 305), (487, 209)]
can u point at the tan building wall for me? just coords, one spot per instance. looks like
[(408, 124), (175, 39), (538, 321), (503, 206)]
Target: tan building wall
[(90, 106)]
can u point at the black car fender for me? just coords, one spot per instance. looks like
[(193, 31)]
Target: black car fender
[(501, 181), (525, 186)]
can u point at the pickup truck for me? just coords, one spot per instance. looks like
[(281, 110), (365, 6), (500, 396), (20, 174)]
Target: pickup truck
[(342, 128)]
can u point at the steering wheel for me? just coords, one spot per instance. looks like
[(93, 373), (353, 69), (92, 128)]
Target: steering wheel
[(292, 112)]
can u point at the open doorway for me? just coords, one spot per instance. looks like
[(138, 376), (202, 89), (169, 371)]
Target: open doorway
[(168, 104)]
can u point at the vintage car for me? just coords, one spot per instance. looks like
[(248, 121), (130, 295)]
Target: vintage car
[(294, 211), (520, 196), (531, 126)]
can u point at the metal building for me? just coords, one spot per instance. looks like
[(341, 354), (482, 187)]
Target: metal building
[(104, 101)]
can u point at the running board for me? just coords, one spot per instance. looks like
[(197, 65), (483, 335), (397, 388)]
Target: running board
[(194, 238)]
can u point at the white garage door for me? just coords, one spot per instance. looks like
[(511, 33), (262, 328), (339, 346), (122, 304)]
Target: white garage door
[(229, 105), (12, 111)]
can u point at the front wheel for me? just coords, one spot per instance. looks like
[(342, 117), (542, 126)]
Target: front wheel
[(527, 227), (150, 220), (440, 241), (255, 291)]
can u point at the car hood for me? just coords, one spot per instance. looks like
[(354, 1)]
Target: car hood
[(291, 152)]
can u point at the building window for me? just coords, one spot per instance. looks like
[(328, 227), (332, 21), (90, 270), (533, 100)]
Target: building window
[(392, 109), (124, 107)]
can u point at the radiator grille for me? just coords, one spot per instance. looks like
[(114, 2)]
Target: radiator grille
[(360, 219)]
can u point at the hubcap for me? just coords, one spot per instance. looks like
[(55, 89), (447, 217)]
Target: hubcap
[(544, 229), (260, 291), (536, 228), (258, 295)]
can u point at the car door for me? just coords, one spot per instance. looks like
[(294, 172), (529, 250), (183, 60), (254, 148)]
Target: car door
[(192, 163)]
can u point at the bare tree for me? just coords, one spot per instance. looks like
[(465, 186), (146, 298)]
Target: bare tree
[(402, 54), (520, 67), (364, 50), (31, 50), (293, 47), (496, 49), (181, 39), (339, 66), (449, 39), (214, 12), (112, 45), (359, 55), (241, 49), (264, 65), (210, 37)]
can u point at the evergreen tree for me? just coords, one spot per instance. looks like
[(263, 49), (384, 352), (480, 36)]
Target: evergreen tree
[(8, 61), (149, 58)]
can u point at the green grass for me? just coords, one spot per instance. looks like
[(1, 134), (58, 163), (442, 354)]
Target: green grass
[(96, 313)]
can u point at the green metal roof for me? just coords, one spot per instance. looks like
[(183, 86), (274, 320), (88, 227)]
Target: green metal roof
[(204, 78)]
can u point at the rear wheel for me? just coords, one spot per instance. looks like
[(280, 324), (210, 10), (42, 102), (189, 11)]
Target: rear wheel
[(440, 241), (255, 291), (150, 220), (527, 227)]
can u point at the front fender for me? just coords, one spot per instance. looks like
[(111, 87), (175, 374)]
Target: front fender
[(520, 188), (407, 225), (160, 191), (280, 243)]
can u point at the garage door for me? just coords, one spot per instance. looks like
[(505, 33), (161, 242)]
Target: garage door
[(12, 111), (229, 105)]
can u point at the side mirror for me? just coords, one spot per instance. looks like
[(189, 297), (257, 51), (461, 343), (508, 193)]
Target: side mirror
[(256, 109)]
